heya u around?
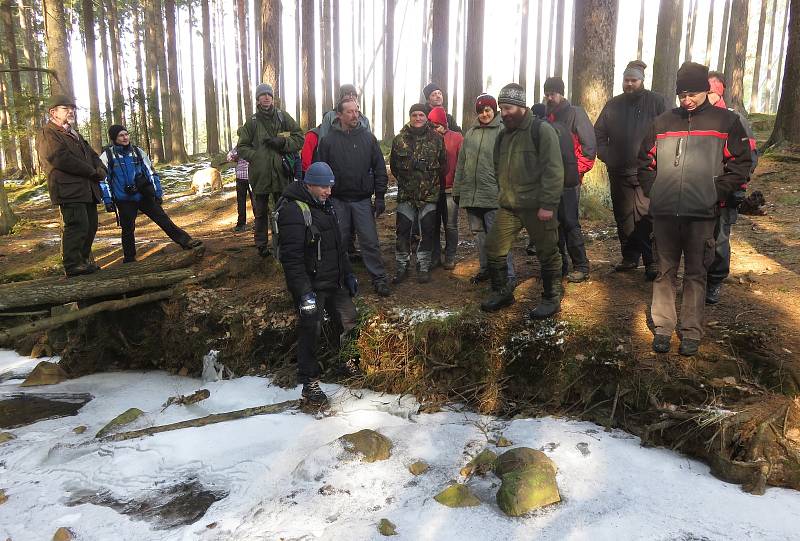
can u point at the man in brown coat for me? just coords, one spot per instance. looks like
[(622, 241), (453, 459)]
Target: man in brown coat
[(74, 172)]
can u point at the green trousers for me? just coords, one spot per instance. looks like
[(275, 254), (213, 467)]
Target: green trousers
[(506, 227), (80, 227)]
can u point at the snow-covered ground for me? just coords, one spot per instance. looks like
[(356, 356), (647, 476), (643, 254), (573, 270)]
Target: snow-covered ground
[(284, 478)]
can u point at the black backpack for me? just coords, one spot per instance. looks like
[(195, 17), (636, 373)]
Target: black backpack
[(571, 177)]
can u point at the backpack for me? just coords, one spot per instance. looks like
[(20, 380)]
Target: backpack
[(571, 177), (143, 183), (306, 210), (290, 162)]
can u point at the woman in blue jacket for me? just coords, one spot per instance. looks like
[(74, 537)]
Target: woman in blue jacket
[(132, 185)]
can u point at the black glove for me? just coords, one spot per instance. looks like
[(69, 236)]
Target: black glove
[(275, 142), (159, 200), (352, 284), (110, 207), (379, 207)]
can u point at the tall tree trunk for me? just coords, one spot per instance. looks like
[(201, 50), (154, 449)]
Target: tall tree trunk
[(710, 33), (687, 53), (558, 69), (271, 40), (668, 47), (28, 50), (736, 55), (768, 81), (460, 30), (175, 106), (193, 93), (212, 128), (308, 114), (787, 120), (104, 51), (237, 43), (425, 73), (762, 20), (153, 110), (244, 59), (523, 44), (726, 18), (57, 43), (786, 17), (337, 67), (7, 217), (473, 60), (325, 50), (595, 33), (549, 58), (17, 101), (138, 38), (226, 102), (537, 63), (440, 42), (640, 45), (388, 71), (7, 142), (570, 71), (163, 80), (95, 129), (118, 102), (297, 61)]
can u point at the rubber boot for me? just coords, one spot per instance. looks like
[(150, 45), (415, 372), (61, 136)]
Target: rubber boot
[(550, 304), (502, 294)]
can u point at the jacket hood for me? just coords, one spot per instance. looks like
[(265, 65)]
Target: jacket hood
[(337, 126), (495, 123), (297, 191)]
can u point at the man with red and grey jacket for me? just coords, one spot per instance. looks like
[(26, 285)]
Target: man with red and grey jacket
[(692, 157), (573, 118)]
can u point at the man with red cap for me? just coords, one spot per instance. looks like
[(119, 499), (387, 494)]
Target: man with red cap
[(691, 158)]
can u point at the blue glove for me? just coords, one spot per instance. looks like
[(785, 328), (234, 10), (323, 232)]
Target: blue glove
[(351, 283), (308, 304)]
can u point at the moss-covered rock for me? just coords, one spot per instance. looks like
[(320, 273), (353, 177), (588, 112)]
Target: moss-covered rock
[(119, 421), (6, 436), (457, 495), (520, 458), (528, 489), (3, 497), (387, 527), (79, 429), (419, 467), (45, 373), (63, 534), (480, 464), (371, 445), (502, 441)]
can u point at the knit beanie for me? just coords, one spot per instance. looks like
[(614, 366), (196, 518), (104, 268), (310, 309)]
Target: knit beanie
[(346, 89), (438, 116), (692, 77), (485, 100), (417, 107), (264, 88), (114, 130), (635, 70), (319, 174), (554, 84), (512, 94), (428, 90), (539, 110)]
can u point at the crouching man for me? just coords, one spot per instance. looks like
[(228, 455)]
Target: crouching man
[(317, 270)]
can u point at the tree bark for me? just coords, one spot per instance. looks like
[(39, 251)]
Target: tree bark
[(640, 44), (473, 60), (537, 63), (768, 81), (244, 60), (212, 127), (140, 94), (787, 120), (297, 60), (425, 68), (337, 67), (28, 49), (754, 89), (193, 93), (308, 114), (388, 71), (104, 51), (595, 34), (558, 68), (726, 18), (325, 50), (271, 41), (95, 129), (440, 43), (163, 79), (57, 43), (687, 53), (523, 44), (175, 106), (153, 112), (16, 101), (736, 55), (7, 141), (668, 47), (781, 58), (118, 102), (710, 34), (7, 217)]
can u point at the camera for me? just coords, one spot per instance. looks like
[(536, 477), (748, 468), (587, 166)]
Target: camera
[(131, 189)]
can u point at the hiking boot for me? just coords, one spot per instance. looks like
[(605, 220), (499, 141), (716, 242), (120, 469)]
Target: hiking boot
[(240, 228), (435, 262), (689, 347), (423, 277), (191, 243), (661, 343), (577, 276), (712, 293), (449, 263), (482, 276), (313, 395), (501, 295), (650, 272), (78, 270), (129, 259), (263, 251), (382, 288), (352, 369), (550, 304), (626, 265), (400, 276)]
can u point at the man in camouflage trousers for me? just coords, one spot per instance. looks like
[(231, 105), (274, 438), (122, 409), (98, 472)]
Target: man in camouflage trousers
[(418, 159)]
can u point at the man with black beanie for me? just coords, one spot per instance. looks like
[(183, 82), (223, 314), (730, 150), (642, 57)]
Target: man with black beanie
[(434, 97), (619, 131), (692, 157)]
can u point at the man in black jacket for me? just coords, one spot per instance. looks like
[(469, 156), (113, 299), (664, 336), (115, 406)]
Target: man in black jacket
[(317, 270), (619, 130), (434, 97), (691, 158), (355, 157)]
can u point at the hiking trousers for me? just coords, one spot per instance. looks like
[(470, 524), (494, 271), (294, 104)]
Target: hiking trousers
[(634, 223), (507, 225), (570, 237), (447, 216), (242, 192), (261, 218), (721, 266), (358, 216), (411, 217), (480, 223), (78, 232), (128, 210)]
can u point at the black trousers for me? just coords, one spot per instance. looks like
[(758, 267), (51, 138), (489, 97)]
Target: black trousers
[(634, 223), (721, 266), (128, 210), (80, 227), (338, 304), (570, 236), (242, 191), (261, 217)]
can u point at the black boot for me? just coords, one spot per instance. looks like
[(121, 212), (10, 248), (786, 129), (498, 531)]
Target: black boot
[(313, 395), (551, 298), (502, 295)]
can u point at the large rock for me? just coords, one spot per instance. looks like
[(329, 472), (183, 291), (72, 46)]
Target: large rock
[(387, 527), (3, 497), (529, 481), (457, 495), (481, 464), (119, 421), (63, 534), (6, 436), (372, 445), (419, 467), (45, 373)]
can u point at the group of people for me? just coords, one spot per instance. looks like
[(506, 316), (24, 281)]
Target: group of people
[(677, 176)]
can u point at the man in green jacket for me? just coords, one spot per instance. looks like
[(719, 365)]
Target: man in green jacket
[(264, 140), (530, 174)]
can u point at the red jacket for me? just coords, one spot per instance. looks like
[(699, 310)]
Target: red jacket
[(583, 138), (452, 145), (309, 147)]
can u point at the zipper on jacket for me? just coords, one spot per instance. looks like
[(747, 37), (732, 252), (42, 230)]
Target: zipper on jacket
[(477, 160), (683, 165), (677, 161)]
